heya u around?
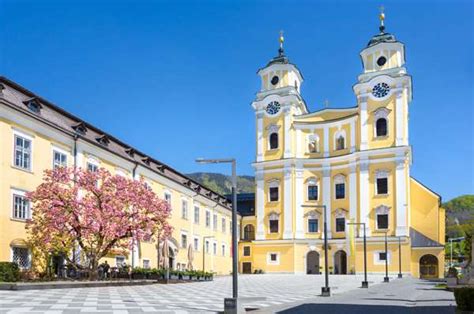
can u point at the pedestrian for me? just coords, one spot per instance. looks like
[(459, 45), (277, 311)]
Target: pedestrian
[(100, 271), (106, 270)]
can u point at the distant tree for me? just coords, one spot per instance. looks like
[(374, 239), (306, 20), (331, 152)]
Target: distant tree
[(96, 211)]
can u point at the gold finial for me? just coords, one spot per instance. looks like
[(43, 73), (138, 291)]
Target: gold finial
[(382, 18), (281, 39)]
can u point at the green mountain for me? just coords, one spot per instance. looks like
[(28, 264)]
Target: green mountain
[(459, 216), (222, 184)]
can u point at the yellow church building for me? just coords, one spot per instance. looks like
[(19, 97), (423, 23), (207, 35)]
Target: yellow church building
[(355, 161), (36, 135)]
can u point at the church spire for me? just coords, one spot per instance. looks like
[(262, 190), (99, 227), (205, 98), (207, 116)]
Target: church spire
[(281, 39), (382, 19)]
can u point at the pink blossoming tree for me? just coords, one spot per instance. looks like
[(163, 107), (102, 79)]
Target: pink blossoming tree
[(96, 211)]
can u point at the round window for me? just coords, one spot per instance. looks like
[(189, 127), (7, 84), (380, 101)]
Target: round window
[(381, 61), (275, 80)]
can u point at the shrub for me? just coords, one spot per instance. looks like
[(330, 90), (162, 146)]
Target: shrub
[(464, 298), (452, 272), (9, 271)]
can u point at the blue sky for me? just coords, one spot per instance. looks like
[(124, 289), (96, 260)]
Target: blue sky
[(176, 79)]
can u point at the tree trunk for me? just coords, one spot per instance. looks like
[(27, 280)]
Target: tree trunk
[(94, 265)]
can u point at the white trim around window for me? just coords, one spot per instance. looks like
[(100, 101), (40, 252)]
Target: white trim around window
[(274, 183), (28, 258), (55, 149), (28, 137), (381, 174), (340, 179), (382, 210), (22, 213), (378, 261), (273, 262)]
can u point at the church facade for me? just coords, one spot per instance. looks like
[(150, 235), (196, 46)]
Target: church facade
[(352, 163)]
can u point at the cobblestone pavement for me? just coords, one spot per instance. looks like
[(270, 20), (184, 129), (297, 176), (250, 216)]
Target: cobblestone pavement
[(200, 297)]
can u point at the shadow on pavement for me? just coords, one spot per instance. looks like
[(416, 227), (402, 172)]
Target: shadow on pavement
[(366, 309)]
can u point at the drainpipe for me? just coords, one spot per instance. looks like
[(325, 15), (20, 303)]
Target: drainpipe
[(75, 137), (133, 241)]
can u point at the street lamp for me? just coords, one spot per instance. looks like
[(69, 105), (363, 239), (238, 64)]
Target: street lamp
[(365, 283), (400, 257), (204, 251), (386, 279), (232, 305), (450, 240), (325, 291)]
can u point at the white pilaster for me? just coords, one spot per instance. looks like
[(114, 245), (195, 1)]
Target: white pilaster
[(399, 119), (353, 192), (326, 141), (300, 191), (401, 195), (364, 135), (260, 148), (287, 113), (327, 196), (353, 143), (288, 208), (298, 140), (364, 194), (260, 204)]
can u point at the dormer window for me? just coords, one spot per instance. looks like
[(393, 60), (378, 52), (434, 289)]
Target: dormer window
[(146, 160), (130, 151), (80, 128), (103, 140), (33, 105)]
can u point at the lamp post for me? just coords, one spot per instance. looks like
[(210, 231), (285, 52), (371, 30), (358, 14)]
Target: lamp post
[(451, 240), (386, 279), (325, 291), (230, 305), (400, 257), (365, 283), (204, 251)]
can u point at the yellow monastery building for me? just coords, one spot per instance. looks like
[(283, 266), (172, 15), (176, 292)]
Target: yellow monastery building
[(36, 135), (356, 161)]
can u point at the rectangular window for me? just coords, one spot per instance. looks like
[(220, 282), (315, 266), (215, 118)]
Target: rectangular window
[(382, 185), (223, 249), (184, 209), (382, 221), (207, 246), (196, 244), (119, 261), (92, 167), (168, 197), (208, 219), (214, 248), (184, 241), (312, 225), (313, 192), (146, 263), (273, 257), (21, 257), (214, 222), (382, 256), (246, 250), (22, 152), (273, 194), (196, 215), (273, 226), (21, 207), (59, 159), (340, 224), (340, 190), (223, 224)]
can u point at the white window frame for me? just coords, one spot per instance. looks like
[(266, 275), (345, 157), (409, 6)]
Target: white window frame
[(167, 195), (223, 224), (215, 221), (381, 174), (340, 213), (269, 260), (121, 172), (61, 151), (337, 134), (214, 248), (20, 193), (338, 179), (381, 113), (223, 249), (271, 129), (149, 264), (274, 183), (378, 261), (312, 181), (196, 240), (120, 257), (312, 138), (208, 219), (183, 233), (93, 161), (184, 209), (206, 246), (197, 210), (17, 133), (382, 210), (274, 216), (313, 215), (29, 256)]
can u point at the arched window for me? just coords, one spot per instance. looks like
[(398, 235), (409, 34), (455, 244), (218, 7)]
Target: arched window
[(273, 141), (340, 186), (381, 127), (312, 221), (382, 215), (340, 222), (273, 220), (313, 143), (273, 190), (340, 140), (249, 232)]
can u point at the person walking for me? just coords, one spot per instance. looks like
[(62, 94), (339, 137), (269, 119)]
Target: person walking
[(106, 267)]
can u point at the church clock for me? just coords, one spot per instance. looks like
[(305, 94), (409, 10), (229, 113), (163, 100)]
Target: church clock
[(273, 108), (380, 90)]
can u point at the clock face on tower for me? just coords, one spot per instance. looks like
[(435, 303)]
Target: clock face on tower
[(273, 107), (380, 90)]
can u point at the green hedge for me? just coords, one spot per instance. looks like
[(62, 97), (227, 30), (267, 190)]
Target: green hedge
[(464, 298), (9, 272)]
